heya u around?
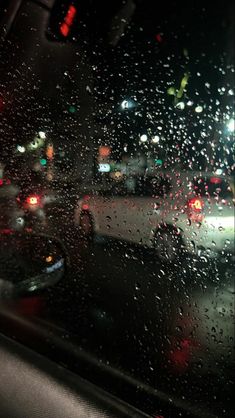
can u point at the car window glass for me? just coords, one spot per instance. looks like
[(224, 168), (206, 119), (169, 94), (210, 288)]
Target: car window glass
[(117, 140), (213, 187), (118, 189), (157, 186)]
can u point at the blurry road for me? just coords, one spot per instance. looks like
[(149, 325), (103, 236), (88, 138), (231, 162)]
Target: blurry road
[(166, 325), (126, 280)]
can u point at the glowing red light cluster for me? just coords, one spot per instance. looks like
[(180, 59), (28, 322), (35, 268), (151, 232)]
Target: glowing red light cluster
[(215, 180), (66, 25), (85, 206), (33, 200), (195, 204), (4, 181)]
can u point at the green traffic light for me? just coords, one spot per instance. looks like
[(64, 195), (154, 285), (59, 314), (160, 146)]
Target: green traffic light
[(72, 109), (43, 161)]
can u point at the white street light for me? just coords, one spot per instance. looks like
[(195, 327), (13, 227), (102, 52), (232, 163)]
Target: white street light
[(198, 109), (231, 125), (143, 138), (155, 139), (125, 104), (42, 135), (180, 105), (20, 148)]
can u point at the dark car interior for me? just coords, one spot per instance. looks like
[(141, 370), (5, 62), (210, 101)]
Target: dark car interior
[(47, 377), (33, 386)]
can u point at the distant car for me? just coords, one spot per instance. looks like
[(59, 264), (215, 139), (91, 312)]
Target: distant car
[(170, 211), (23, 208)]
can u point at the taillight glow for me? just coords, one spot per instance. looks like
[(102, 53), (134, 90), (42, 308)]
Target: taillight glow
[(85, 206), (180, 355), (64, 29), (215, 180), (6, 231), (196, 204), (33, 200), (4, 181), (70, 16)]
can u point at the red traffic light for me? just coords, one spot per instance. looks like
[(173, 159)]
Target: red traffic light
[(66, 25)]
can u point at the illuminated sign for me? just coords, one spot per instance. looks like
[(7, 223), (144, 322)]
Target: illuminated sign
[(104, 168), (66, 25), (158, 161)]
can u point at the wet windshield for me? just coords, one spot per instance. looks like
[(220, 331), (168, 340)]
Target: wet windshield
[(117, 140), (213, 186)]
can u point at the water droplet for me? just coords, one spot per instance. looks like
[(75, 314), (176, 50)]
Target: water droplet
[(178, 328), (181, 310), (137, 286)]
